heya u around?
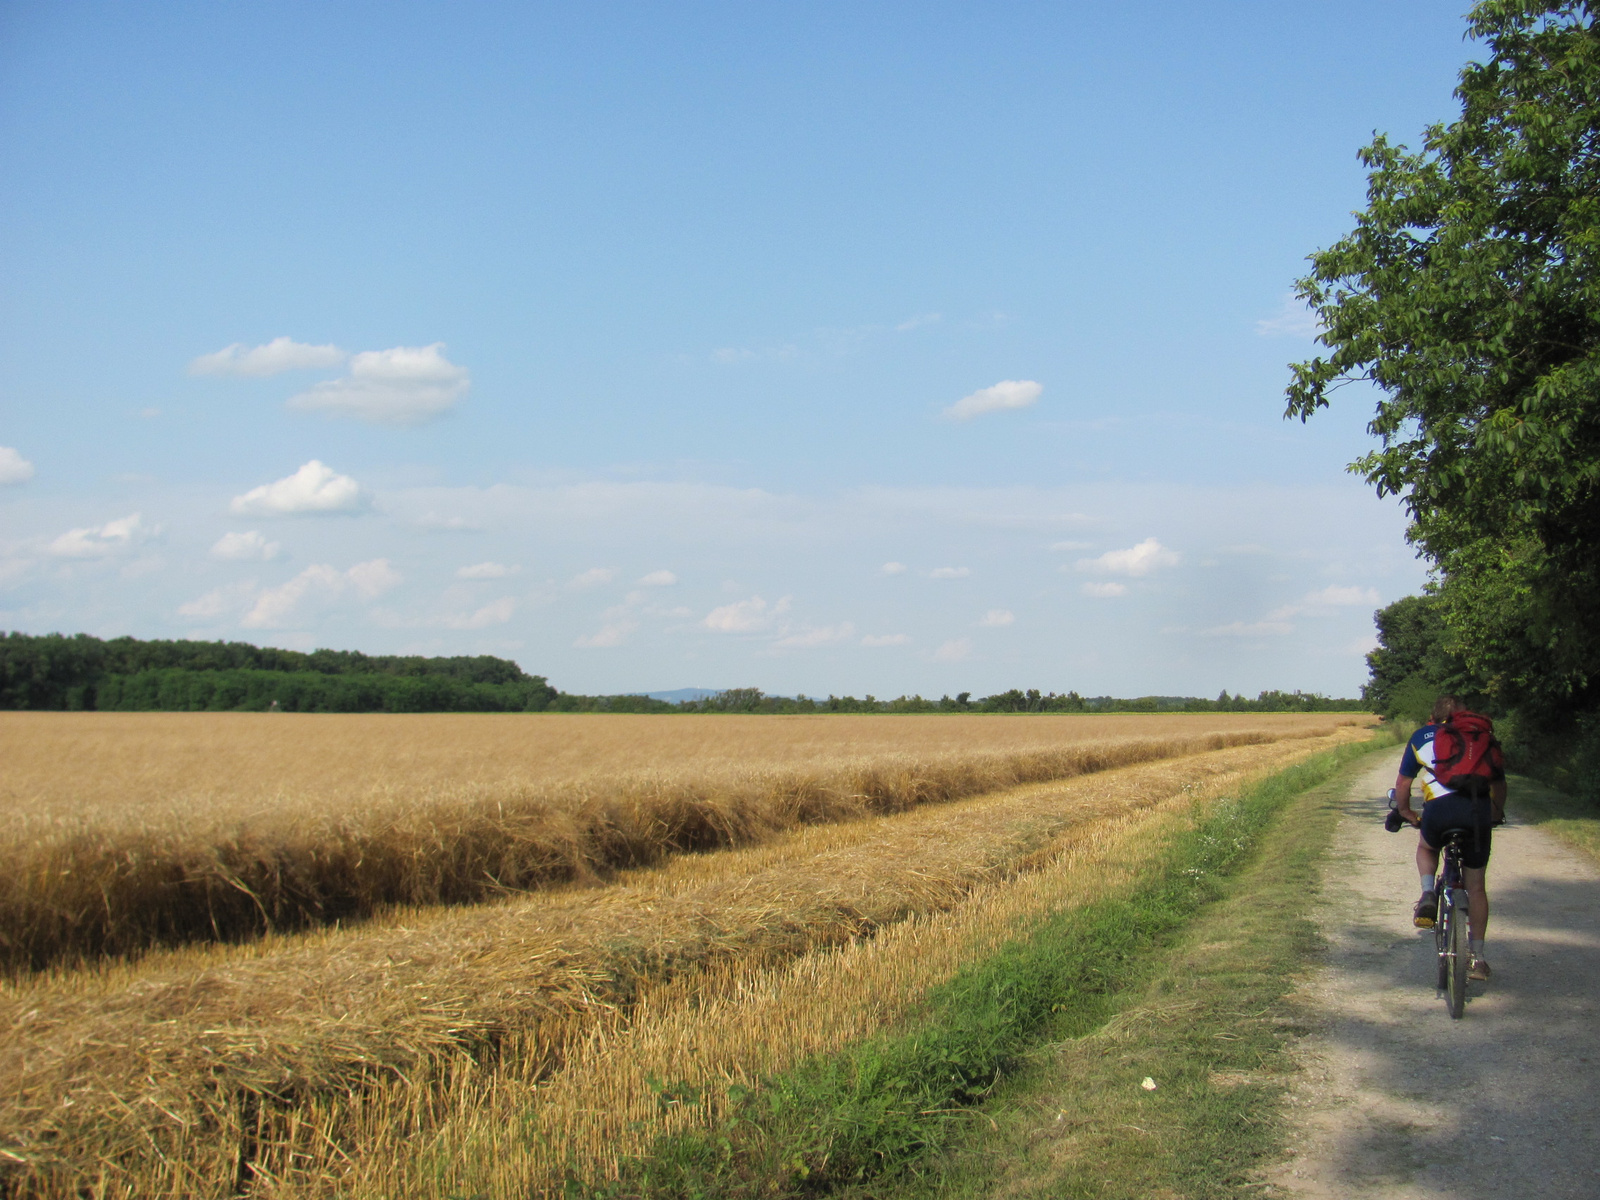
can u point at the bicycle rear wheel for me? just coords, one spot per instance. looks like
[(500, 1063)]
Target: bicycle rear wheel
[(1441, 945), (1455, 956)]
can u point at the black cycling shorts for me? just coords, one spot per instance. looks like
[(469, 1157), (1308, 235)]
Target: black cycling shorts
[(1452, 811)]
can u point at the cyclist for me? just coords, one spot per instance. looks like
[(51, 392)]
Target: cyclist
[(1442, 810)]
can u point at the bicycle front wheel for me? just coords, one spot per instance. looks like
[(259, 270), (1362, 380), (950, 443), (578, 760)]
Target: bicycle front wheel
[(1456, 957)]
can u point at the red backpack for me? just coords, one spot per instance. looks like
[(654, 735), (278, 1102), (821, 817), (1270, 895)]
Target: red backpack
[(1466, 755)]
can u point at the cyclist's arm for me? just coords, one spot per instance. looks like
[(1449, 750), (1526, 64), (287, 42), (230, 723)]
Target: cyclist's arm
[(1402, 799), (1497, 799), (1410, 765)]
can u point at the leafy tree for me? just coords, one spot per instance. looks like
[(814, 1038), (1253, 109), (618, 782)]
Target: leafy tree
[(1469, 295), (1416, 660)]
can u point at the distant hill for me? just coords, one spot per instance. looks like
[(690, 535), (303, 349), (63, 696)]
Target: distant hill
[(678, 695)]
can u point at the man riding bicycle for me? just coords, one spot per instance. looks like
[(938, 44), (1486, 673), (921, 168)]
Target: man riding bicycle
[(1444, 809)]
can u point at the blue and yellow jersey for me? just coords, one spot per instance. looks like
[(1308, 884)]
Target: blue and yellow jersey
[(1417, 763)]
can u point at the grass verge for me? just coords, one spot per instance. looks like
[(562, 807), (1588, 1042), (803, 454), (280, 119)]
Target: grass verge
[(920, 1110), (1573, 820)]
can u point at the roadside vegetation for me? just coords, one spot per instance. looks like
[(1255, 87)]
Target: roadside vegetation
[(1575, 820), (1207, 1018), (880, 1108)]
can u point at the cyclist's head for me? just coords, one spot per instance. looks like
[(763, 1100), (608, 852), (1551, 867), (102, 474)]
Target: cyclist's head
[(1443, 707)]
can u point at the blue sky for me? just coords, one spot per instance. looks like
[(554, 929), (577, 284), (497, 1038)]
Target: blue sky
[(827, 347)]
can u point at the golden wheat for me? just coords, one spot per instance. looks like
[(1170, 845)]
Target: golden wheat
[(142, 1069), (127, 831)]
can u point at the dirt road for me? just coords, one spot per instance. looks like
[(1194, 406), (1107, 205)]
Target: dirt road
[(1398, 1101)]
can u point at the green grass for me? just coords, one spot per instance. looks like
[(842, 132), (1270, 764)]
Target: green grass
[(1209, 1024), (1575, 821), (1045, 1043)]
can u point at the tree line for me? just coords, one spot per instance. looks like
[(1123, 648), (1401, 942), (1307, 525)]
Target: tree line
[(127, 674), (753, 700), (81, 672), (1466, 298)]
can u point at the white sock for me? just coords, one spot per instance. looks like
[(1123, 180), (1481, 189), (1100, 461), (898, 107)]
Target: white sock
[(1427, 884), (1475, 948)]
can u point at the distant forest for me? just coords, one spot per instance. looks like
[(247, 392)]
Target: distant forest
[(79, 672)]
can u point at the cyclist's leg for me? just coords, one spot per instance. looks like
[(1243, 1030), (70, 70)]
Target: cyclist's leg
[(1477, 902), (1427, 862), (1475, 861), (1426, 911)]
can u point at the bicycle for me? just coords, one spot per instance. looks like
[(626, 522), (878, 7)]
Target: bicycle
[(1450, 920)]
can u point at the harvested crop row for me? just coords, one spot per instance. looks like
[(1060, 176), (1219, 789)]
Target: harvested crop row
[(75, 886), (671, 1063), (142, 1068)]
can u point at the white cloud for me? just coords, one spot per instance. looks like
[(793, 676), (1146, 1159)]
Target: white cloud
[(1362, 646), (1071, 545), (403, 386), (954, 651), (280, 354), (745, 616), (496, 612), (1104, 591), (1318, 603), (150, 413), (1250, 629), (917, 322), (246, 547), (484, 570), (1334, 596), (997, 618), (893, 568), (13, 467), (97, 541), (828, 635), (612, 634), (885, 639), (659, 579), (1293, 319), (372, 579), (314, 489), (218, 601), (1008, 393), (949, 573), (13, 569), (593, 577), (275, 606), (434, 523), (1138, 560)]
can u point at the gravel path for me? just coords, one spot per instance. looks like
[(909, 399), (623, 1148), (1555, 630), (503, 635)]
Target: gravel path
[(1399, 1102)]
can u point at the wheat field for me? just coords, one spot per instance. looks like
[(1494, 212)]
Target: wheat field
[(391, 1057), (129, 831)]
